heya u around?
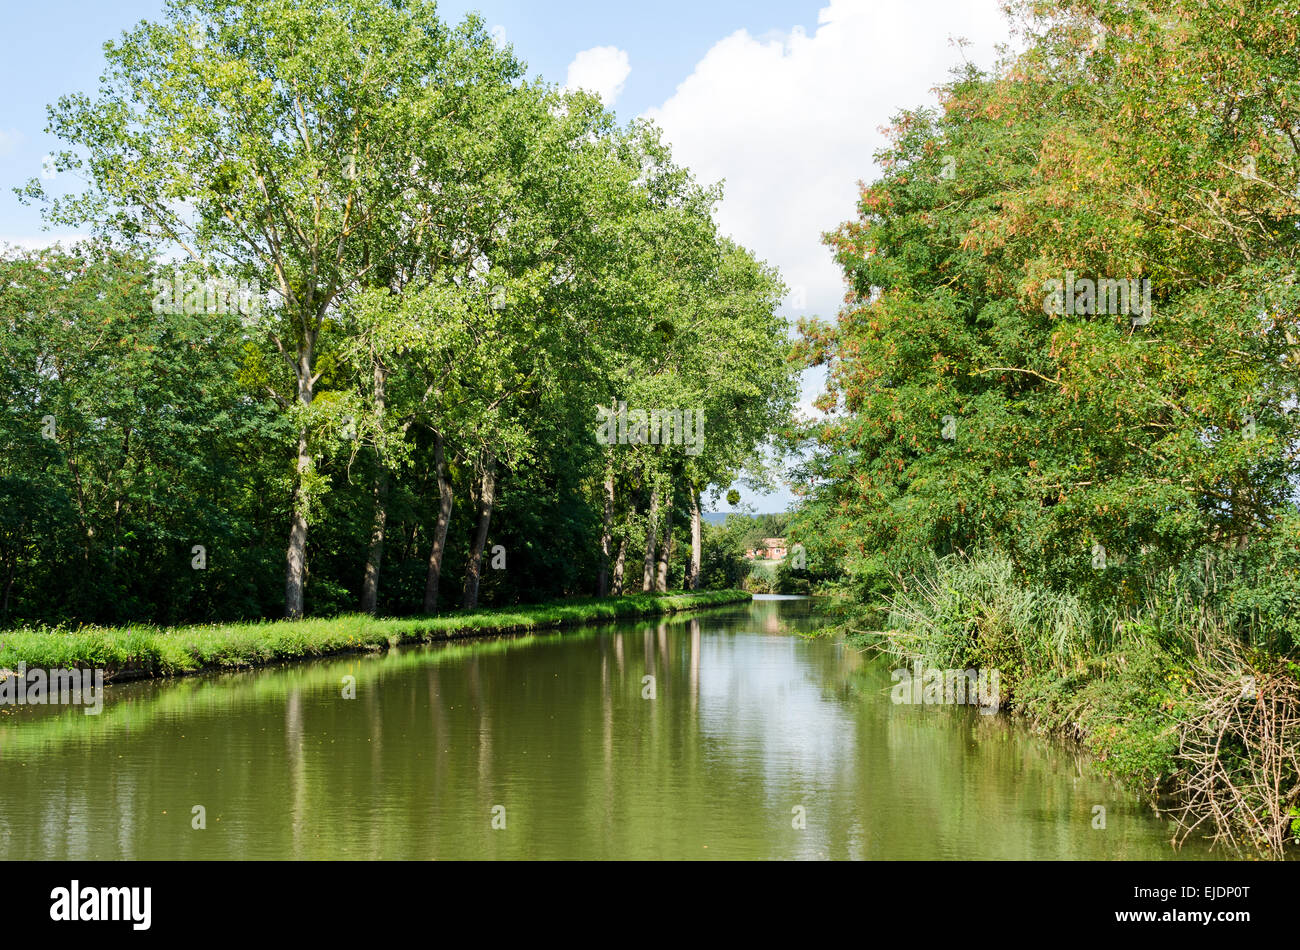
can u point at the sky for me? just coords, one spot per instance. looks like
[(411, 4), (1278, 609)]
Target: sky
[(782, 100)]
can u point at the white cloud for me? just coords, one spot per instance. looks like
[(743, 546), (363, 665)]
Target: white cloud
[(791, 120), (498, 36), (601, 70)]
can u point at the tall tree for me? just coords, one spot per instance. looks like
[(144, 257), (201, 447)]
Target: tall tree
[(282, 137)]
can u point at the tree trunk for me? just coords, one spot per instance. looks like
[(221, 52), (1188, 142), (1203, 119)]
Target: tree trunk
[(648, 566), (11, 567), (607, 531), (487, 496), (693, 582), (440, 530), (375, 553), (619, 564), (665, 550), (296, 556)]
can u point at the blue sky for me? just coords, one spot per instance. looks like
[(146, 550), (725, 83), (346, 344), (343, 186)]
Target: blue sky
[(781, 99), (55, 47)]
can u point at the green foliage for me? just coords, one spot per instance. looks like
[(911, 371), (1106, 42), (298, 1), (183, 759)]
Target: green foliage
[(1260, 595), (454, 262), (982, 613), (725, 549), (975, 414), (129, 441), (1029, 473), (1118, 684), (1125, 707)]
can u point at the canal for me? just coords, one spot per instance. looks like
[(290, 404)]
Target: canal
[(718, 735)]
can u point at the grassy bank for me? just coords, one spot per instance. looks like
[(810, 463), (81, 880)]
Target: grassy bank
[(1168, 694), (138, 652)]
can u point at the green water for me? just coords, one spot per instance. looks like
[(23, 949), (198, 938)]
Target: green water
[(750, 730)]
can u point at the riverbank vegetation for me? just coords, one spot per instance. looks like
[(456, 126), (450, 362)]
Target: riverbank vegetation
[(144, 651), (1021, 468), (444, 276)]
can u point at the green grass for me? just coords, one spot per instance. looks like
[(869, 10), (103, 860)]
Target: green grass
[(144, 651)]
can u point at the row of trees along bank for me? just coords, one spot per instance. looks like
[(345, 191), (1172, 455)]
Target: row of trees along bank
[(456, 267)]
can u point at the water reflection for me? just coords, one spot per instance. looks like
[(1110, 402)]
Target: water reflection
[(757, 743)]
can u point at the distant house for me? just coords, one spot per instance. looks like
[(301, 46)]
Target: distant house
[(772, 549)]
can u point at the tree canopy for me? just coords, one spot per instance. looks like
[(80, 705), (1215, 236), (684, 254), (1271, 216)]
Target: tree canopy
[(446, 270), (1071, 325)]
